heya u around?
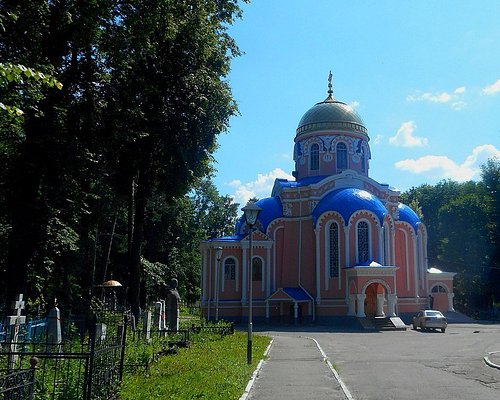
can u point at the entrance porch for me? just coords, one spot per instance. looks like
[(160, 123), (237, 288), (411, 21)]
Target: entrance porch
[(372, 291)]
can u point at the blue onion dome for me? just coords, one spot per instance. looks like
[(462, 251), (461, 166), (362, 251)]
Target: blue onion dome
[(347, 201), (271, 210), (406, 214)]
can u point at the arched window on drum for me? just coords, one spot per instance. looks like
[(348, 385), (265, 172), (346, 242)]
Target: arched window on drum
[(341, 157), (314, 157)]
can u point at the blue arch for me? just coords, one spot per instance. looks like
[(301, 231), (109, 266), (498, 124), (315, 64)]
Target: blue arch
[(347, 201)]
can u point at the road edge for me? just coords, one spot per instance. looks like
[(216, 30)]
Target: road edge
[(346, 391), (250, 383), (489, 362)]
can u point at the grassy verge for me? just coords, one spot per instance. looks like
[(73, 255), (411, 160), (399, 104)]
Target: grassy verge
[(214, 367)]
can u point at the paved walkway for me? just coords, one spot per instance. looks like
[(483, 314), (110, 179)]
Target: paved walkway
[(295, 370)]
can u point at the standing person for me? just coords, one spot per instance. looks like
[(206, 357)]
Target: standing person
[(431, 302)]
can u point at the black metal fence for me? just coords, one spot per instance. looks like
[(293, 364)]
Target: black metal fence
[(86, 365), (17, 385)]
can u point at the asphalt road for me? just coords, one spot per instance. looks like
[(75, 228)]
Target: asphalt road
[(408, 365)]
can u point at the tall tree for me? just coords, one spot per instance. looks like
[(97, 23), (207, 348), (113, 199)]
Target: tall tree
[(169, 102), (461, 220), (144, 98)]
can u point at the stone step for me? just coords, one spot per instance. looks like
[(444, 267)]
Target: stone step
[(382, 323)]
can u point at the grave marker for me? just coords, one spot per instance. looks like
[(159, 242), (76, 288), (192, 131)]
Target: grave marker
[(54, 331), (15, 322)]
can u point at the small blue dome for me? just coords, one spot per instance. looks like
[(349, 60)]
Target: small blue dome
[(271, 210), (347, 201), (408, 215)]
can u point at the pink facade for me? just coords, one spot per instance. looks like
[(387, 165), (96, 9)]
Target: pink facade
[(334, 242)]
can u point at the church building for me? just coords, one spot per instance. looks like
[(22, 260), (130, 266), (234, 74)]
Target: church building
[(333, 242)]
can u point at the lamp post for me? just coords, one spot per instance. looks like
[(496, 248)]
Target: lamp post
[(218, 256), (251, 211)]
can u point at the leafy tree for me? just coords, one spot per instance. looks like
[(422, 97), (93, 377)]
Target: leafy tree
[(461, 220), (144, 98), (173, 232), (170, 59), (490, 174)]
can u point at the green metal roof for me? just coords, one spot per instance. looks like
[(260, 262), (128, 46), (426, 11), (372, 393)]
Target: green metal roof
[(331, 114)]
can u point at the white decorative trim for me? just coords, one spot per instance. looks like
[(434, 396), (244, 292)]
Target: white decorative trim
[(381, 281)]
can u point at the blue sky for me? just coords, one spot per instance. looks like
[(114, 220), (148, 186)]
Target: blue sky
[(423, 75)]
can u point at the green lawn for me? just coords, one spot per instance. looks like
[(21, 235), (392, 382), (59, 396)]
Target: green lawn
[(212, 368)]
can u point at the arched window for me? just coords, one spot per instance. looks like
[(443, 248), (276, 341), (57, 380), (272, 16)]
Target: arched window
[(438, 289), (341, 156), (230, 269), (257, 269), (314, 157), (363, 242), (363, 162), (334, 250)]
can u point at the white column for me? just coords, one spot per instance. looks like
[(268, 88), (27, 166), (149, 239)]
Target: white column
[(244, 274), (392, 244), (380, 305), (347, 247), (203, 276), (295, 311), (209, 295), (216, 289), (318, 269), (268, 272), (361, 305), (352, 305), (415, 262), (391, 305), (450, 301), (380, 232)]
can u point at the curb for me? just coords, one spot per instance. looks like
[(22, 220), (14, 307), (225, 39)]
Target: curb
[(250, 383), (490, 363), (344, 388)]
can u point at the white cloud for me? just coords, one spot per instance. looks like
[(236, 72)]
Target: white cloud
[(404, 136), (437, 97), (492, 89), (442, 167), (261, 187), (378, 139), (432, 97), (458, 105), (353, 105)]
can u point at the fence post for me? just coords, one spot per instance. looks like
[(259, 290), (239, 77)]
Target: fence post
[(33, 363), (89, 367), (123, 345)]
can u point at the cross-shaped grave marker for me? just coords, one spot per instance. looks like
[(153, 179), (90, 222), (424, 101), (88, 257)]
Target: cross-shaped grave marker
[(15, 321)]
